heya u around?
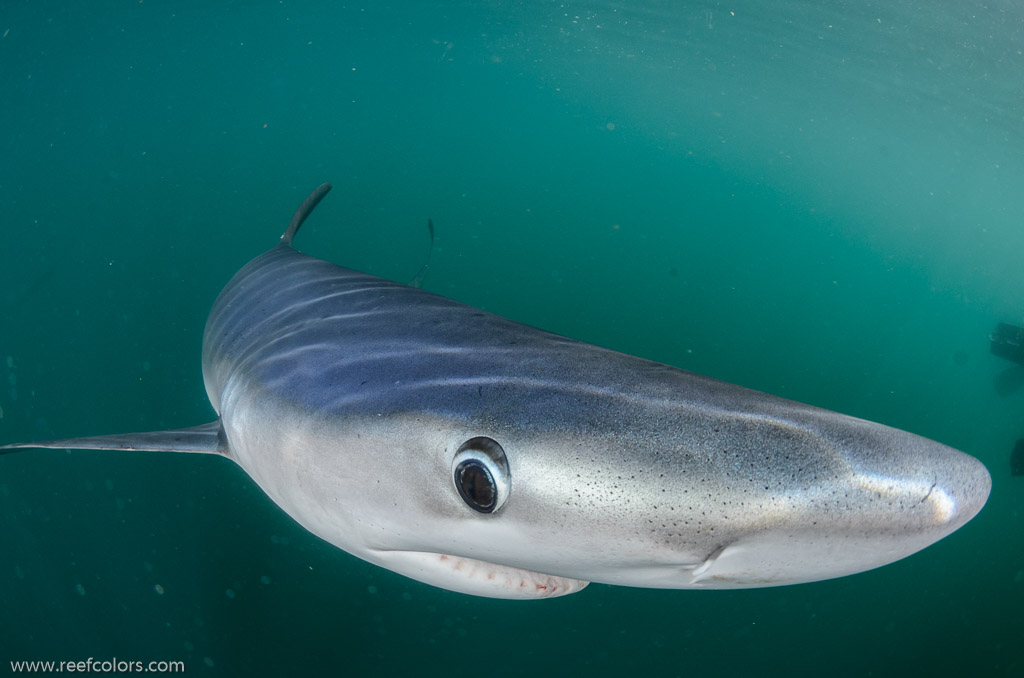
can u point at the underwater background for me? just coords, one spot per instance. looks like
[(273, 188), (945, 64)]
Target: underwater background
[(821, 200)]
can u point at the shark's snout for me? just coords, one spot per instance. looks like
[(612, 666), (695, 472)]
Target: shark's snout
[(899, 494), (915, 484), (943, 497)]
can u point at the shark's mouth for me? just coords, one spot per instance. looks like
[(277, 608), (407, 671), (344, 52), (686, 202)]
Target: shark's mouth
[(477, 577)]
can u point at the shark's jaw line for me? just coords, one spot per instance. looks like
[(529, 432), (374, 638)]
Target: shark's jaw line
[(475, 577)]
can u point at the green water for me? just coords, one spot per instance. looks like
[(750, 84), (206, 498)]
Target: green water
[(819, 200)]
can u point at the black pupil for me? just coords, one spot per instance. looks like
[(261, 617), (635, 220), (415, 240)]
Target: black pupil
[(476, 485)]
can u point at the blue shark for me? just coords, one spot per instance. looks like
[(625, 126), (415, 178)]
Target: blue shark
[(480, 455)]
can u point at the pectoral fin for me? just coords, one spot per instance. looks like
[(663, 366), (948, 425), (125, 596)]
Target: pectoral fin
[(207, 439)]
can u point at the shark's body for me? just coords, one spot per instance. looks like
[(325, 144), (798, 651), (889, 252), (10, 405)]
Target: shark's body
[(484, 456)]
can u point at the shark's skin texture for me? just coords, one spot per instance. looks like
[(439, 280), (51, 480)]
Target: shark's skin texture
[(347, 398)]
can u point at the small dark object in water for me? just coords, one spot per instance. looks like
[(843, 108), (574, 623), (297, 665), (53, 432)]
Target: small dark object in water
[(1017, 459), (1009, 380), (1008, 342)]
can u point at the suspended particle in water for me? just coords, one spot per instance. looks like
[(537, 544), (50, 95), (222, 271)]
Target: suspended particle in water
[(80, 589), (229, 593), (159, 589)]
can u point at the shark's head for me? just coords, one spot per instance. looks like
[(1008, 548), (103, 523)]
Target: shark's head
[(636, 491)]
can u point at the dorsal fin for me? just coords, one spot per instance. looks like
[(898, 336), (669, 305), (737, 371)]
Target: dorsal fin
[(304, 209)]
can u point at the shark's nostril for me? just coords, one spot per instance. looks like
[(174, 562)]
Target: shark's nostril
[(928, 493)]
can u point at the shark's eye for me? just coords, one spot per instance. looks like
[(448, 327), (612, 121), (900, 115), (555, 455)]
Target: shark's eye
[(481, 474)]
